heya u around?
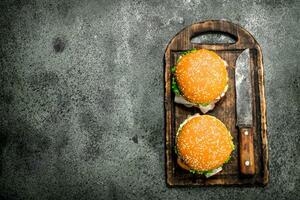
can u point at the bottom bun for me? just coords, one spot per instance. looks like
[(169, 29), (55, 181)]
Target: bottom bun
[(213, 172)]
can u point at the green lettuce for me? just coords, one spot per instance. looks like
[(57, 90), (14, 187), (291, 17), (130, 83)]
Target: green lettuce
[(175, 149), (185, 53), (188, 51), (201, 172), (227, 160), (173, 69), (204, 104), (175, 87)]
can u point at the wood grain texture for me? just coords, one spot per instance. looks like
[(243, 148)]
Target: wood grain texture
[(225, 109), (246, 153)]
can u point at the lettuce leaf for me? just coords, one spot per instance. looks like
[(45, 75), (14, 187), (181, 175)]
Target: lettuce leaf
[(175, 149), (175, 87), (188, 51), (227, 160), (185, 53), (173, 69), (204, 104), (200, 172)]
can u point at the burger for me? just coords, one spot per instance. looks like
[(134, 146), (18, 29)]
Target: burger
[(203, 145), (199, 79)]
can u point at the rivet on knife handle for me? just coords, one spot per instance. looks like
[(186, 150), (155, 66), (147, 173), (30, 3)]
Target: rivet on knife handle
[(247, 163)]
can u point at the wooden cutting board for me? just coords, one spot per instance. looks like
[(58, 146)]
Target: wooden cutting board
[(225, 110)]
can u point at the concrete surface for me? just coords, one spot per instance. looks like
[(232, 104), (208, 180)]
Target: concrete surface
[(82, 96)]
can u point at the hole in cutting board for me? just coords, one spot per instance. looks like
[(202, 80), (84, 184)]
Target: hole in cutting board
[(214, 38)]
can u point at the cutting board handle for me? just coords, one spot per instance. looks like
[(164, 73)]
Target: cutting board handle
[(213, 37), (226, 29), (243, 38)]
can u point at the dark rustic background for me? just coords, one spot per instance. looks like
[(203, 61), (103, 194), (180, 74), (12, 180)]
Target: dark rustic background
[(82, 96)]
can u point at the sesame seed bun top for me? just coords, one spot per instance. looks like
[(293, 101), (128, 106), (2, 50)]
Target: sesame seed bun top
[(204, 143), (201, 76)]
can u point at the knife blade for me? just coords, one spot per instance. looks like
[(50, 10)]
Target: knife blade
[(244, 112)]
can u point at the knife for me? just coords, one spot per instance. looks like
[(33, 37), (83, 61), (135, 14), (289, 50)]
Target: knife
[(244, 113)]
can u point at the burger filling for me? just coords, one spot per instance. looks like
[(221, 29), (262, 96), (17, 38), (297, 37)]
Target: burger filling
[(208, 173), (204, 107)]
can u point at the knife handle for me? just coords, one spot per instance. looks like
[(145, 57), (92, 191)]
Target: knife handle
[(247, 163)]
